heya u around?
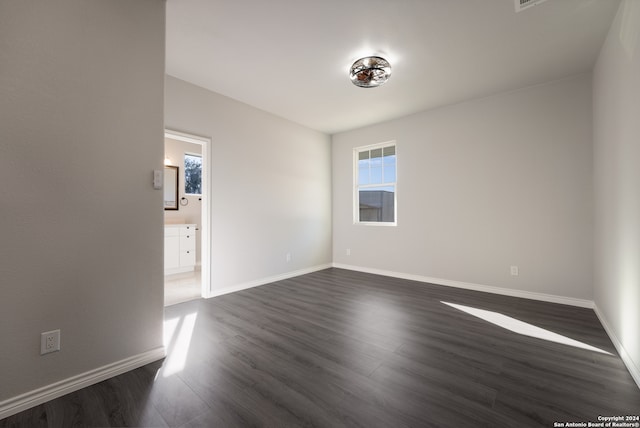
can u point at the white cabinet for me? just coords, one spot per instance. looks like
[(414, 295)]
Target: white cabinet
[(179, 248)]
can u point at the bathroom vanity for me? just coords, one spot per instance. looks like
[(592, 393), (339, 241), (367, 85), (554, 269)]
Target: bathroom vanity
[(179, 248)]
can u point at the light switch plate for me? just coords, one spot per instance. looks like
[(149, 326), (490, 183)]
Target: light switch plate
[(157, 179)]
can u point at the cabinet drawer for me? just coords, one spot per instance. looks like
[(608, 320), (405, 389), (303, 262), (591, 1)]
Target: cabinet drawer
[(187, 242), (188, 230), (187, 257)]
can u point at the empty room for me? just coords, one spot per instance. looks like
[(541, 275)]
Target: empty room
[(411, 213)]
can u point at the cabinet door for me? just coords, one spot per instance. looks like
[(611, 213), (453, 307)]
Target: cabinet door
[(171, 252), (187, 242)]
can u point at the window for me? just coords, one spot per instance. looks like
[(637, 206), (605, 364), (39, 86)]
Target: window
[(192, 174), (375, 187)]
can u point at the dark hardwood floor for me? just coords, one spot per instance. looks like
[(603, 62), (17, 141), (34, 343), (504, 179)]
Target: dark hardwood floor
[(339, 348)]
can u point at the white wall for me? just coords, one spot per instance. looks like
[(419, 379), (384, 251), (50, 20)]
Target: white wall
[(81, 106), (616, 116), (192, 211), (271, 186), (482, 185)]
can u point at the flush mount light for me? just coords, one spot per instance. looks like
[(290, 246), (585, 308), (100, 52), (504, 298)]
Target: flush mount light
[(370, 71)]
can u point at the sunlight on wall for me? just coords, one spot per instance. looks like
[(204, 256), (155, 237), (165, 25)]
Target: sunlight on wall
[(177, 342), (629, 28), (523, 328), (629, 296)]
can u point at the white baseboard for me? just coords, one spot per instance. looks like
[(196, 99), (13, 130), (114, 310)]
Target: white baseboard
[(476, 287), (46, 393), (634, 370), (267, 280)]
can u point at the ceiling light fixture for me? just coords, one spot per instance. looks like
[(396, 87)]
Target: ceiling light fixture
[(370, 71)]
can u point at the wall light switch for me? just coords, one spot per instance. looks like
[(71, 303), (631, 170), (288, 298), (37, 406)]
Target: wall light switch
[(157, 179), (514, 270)]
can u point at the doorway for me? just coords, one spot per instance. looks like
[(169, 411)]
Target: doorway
[(187, 229)]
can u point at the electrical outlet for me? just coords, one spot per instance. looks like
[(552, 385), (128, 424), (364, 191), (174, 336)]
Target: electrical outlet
[(288, 257), (348, 252), (49, 341), (514, 270)]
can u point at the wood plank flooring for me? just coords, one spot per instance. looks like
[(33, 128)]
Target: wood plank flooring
[(338, 348)]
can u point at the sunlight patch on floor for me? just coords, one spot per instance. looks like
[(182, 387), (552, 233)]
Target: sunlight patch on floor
[(522, 327), (177, 339)]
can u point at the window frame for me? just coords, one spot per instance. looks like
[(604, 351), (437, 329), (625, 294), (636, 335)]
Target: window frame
[(184, 174), (356, 186)]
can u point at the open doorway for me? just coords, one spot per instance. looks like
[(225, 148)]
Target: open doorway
[(187, 210)]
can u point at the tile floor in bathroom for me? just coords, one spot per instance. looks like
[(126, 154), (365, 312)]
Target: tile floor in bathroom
[(182, 287)]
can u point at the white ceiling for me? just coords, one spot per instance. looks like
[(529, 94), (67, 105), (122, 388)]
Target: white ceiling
[(291, 57)]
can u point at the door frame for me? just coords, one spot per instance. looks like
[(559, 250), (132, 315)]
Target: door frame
[(205, 226)]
